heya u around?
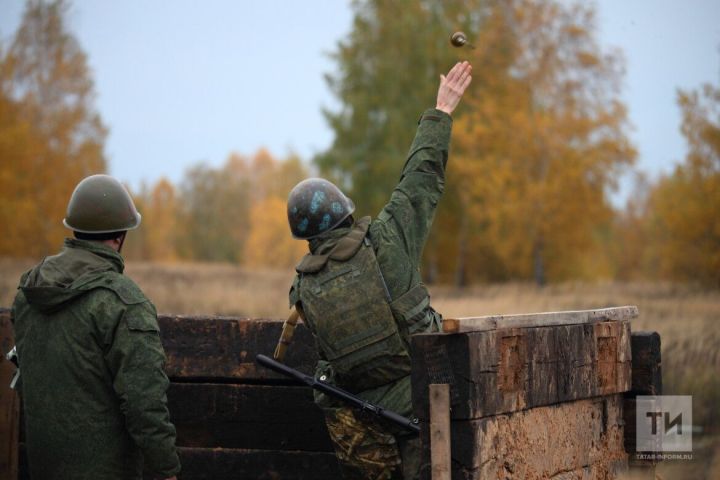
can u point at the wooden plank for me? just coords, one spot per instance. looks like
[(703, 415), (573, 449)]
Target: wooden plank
[(202, 347), (450, 325), (646, 363), (234, 464), (506, 370), (545, 442), (247, 416), (577, 355), (646, 380), (229, 464), (9, 403), (225, 347), (246, 422), (440, 430), (612, 340), (493, 322)]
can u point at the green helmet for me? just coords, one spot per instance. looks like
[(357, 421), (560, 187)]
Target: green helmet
[(100, 204), (316, 206)]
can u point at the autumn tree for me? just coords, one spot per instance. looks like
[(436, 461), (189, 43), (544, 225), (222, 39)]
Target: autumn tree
[(626, 250), (269, 243), (684, 207), (237, 213), (213, 211), (537, 142), (20, 212), (157, 240), (543, 140), (388, 72), (51, 135), (271, 176), (161, 217)]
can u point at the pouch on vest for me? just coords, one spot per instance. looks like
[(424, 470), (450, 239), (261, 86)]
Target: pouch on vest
[(412, 309), (346, 301)]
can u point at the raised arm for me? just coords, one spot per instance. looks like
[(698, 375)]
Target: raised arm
[(409, 214), (453, 86)]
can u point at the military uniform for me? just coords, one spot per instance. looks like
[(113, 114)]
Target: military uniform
[(366, 448), (92, 383)]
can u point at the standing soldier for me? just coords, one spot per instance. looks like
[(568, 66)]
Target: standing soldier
[(92, 380), (359, 291)]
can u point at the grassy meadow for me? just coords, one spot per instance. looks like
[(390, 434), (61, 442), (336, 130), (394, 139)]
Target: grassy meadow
[(687, 318)]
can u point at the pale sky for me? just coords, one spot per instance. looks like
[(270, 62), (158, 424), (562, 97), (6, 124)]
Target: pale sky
[(184, 81)]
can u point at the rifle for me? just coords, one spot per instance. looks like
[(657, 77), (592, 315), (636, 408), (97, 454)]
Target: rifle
[(339, 393)]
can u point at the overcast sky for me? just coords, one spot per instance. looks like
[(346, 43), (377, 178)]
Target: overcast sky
[(184, 81)]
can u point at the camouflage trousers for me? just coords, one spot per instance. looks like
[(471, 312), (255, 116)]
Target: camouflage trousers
[(368, 451)]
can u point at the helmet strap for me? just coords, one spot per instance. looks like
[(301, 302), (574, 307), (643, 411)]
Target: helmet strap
[(122, 241)]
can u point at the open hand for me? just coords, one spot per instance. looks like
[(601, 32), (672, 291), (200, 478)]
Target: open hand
[(453, 86)]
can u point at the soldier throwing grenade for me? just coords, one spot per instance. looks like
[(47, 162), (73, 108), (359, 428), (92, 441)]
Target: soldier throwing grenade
[(359, 291)]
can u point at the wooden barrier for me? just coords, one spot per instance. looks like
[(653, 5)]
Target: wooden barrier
[(646, 380), (9, 404), (234, 419), (532, 396), (527, 401)]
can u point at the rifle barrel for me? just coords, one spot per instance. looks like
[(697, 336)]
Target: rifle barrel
[(337, 392)]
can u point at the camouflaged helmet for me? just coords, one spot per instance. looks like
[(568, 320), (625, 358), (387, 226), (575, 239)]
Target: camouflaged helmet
[(100, 204), (316, 206)]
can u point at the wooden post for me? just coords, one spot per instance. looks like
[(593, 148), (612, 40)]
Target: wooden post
[(440, 431), (646, 380)]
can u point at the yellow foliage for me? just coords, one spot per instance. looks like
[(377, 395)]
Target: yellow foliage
[(160, 222), (534, 155), (269, 243), (50, 135), (226, 214), (674, 231)]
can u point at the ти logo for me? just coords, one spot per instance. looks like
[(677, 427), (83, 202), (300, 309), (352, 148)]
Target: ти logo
[(664, 423), (669, 424)]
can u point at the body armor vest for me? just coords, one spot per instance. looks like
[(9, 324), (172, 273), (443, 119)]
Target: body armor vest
[(347, 305)]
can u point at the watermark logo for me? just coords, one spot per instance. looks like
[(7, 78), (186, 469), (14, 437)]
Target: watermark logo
[(664, 423)]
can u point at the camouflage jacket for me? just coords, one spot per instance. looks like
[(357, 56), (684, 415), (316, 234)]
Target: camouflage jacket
[(398, 236), (92, 381)]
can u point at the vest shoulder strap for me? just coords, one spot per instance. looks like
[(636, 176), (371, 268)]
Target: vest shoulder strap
[(345, 249)]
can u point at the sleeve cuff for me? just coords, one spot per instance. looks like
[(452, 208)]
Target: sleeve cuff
[(434, 115)]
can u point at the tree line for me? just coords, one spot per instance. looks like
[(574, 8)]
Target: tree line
[(539, 144), (235, 213)]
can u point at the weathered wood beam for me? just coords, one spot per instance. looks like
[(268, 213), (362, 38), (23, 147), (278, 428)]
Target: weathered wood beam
[(247, 416), (205, 347), (231, 464), (505, 370), (580, 439), (646, 380), (440, 431), (646, 363), (225, 348), (234, 464), (545, 319), (9, 403)]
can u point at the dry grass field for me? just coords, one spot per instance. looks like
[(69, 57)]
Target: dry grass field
[(687, 318)]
